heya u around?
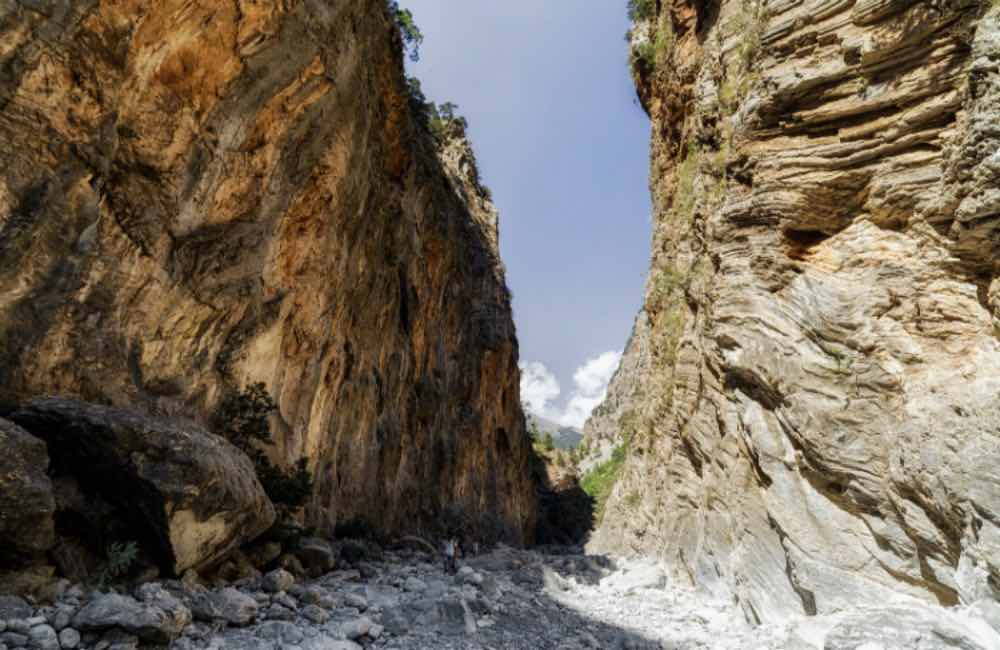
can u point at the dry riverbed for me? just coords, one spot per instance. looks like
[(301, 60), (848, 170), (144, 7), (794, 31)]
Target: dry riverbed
[(506, 599)]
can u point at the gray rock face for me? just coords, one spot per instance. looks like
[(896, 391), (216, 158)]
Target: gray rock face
[(357, 628), (69, 638), (415, 584), (227, 604), (146, 621), (26, 500), (317, 555), (327, 643), (610, 420), (820, 418), (194, 491), (278, 580), (908, 627), (43, 637), (639, 576), (13, 607)]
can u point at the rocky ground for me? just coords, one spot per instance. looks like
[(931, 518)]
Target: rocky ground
[(503, 599)]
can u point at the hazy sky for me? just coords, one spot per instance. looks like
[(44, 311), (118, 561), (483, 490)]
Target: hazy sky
[(563, 144)]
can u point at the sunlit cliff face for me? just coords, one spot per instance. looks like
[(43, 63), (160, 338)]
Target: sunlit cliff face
[(813, 400), (196, 198)]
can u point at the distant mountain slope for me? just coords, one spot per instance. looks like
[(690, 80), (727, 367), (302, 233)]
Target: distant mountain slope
[(564, 437)]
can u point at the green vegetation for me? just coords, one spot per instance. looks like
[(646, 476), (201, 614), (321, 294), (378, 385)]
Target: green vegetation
[(548, 443), (665, 284), (442, 118), (684, 196), (289, 488), (751, 24), (243, 421), (641, 9), (645, 53), (664, 41), (408, 30), (443, 123), (439, 121), (120, 558), (654, 52), (599, 482), (667, 311)]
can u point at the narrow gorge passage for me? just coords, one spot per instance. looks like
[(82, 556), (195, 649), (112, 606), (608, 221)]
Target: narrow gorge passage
[(274, 337)]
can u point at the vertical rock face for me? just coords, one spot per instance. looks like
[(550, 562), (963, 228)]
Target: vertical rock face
[(26, 502), (626, 393), (194, 197), (819, 424)]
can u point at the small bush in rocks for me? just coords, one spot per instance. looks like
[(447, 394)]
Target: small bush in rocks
[(243, 420)]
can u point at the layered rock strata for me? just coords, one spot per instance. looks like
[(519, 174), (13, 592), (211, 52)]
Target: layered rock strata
[(820, 423), (197, 197)]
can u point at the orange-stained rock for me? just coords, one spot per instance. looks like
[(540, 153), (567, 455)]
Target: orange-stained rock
[(198, 196)]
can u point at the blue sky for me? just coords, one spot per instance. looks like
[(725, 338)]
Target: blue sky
[(563, 144)]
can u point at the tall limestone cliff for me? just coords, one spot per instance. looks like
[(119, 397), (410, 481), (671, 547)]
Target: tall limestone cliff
[(195, 197), (817, 422)]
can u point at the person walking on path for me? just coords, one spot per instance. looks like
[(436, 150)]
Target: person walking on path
[(449, 556)]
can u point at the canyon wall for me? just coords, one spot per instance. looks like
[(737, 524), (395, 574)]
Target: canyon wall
[(817, 424), (195, 197)]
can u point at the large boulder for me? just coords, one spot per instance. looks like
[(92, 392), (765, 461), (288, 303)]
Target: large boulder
[(188, 493), (147, 620), (26, 501), (227, 604), (317, 555)]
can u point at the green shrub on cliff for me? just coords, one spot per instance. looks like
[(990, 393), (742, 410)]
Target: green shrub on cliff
[(438, 120), (408, 30), (599, 482), (243, 421), (641, 9)]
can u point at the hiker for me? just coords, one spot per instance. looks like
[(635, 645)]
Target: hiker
[(449, 556)]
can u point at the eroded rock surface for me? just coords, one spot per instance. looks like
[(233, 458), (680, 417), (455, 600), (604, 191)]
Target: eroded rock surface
[(190, 492), (820, 421), (198, 197), (27, 504)]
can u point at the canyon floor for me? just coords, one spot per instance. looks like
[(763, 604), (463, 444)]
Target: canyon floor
[(504, 599)]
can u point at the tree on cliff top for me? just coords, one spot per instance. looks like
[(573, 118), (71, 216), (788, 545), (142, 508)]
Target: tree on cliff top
[(641, 9), (408, 30)]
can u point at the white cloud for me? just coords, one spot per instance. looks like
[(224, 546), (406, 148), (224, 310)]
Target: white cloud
[(539, 389), (592, 378)]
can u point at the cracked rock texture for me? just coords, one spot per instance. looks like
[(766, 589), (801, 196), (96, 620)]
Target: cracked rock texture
[(196, 495), (818, 424), (198, 196), (26, 501)]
